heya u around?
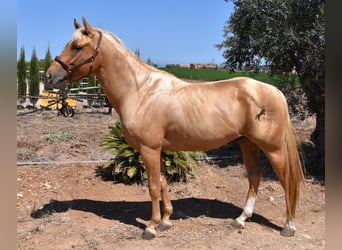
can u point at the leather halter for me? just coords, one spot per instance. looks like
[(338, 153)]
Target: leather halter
[(70, 68)]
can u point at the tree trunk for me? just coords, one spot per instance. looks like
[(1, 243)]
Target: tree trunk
[(317, 160), (313, 86)]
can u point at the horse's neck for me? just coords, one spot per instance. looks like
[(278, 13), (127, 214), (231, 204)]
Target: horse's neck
[(121, 77)]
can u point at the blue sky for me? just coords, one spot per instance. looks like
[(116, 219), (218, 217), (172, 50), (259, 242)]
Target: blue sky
[(167, 31)]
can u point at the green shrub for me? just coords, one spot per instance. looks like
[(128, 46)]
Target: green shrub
[(127, 165), (55, 136)]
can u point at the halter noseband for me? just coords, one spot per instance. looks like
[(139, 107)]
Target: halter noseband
[(69, 68)]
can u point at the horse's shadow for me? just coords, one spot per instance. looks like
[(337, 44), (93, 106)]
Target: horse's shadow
[(127, 211)]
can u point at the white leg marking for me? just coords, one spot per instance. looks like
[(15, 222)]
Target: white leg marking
[(246, 213), (249, 207), (289, 228)]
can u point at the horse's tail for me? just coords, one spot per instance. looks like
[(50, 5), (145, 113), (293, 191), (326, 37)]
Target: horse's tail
[(294, 171)]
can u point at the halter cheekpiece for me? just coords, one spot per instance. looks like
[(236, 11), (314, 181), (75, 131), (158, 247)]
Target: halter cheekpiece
[(69, 68)]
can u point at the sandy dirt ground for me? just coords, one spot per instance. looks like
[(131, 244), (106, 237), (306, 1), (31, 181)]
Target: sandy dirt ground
[(68, 206)]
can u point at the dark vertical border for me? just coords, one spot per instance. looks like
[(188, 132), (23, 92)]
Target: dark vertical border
[(8, 124), (333, 164)]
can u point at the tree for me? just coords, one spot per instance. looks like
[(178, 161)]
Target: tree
[(149, 62), (21, 75), (287, 34), (91, 80), (47, 60), (46, 64), (34, 77), (137, 52)]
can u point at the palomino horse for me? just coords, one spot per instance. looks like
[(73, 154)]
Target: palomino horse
[(161, 112)]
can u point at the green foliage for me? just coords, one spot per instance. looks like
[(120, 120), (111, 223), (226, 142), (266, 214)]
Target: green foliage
[(137, 53), (46, 64), (287, 34), (47, 60), (151, 63), (127, 165), (216, 75), (199, 74), (179, 165), (91, 80), (21, 74), (34, 77), (55, 136)]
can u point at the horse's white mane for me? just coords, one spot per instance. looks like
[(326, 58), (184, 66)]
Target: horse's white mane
[(111, 36), (78, 33)]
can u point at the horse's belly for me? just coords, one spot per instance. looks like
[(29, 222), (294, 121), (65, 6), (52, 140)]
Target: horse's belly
[(192, 141)]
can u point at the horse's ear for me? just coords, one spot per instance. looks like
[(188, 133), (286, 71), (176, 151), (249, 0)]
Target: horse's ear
[(87, 28), (76, 24)]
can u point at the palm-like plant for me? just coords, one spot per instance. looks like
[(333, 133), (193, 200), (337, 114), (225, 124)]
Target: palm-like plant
[(127, 165)]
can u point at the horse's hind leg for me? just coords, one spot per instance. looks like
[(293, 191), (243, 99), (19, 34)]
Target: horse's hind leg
[(279, 163), (250, 154)]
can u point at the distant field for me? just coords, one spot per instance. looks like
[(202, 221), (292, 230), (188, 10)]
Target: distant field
[(216, 75)]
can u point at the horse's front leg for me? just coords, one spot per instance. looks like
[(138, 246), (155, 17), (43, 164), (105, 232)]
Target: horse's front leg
[(168, 209), (151, 159)]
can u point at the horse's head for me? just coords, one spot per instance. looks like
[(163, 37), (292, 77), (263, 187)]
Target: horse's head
[(78, 59)]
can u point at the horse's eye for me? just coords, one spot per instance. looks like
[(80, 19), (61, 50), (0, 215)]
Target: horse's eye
[(76, 48)]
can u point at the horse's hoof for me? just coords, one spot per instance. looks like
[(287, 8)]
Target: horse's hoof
[(149, 234), (238, 224), (287, 232), (163, 226)]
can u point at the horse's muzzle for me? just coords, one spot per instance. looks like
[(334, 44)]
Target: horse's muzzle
[(55, 79)]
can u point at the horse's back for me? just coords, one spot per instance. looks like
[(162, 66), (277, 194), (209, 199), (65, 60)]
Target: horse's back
[(213, 113)]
